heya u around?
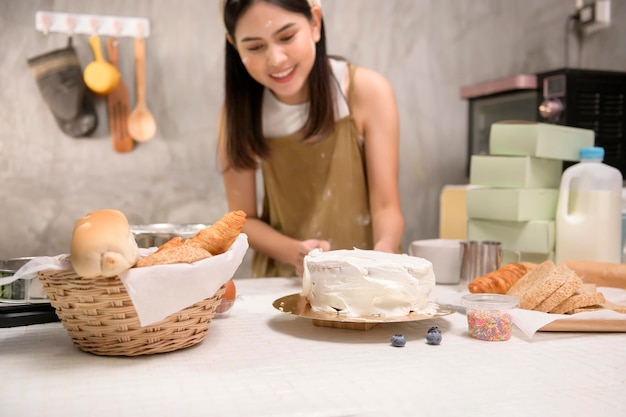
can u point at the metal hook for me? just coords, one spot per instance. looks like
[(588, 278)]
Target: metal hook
[(95, 25), (74, 24), (46, 22), (140, 29), (118, 26), (71, 24)]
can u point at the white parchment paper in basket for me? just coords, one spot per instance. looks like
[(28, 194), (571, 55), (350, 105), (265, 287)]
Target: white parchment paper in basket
[(530, 321), (161, 290)]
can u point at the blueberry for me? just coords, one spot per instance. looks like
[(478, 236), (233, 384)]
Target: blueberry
[(434, 329), (398, 340), (434, 336)]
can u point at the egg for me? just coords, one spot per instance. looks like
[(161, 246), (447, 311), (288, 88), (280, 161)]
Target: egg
[(228, 299)]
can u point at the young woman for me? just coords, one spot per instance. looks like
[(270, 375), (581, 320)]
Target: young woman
[(323, 132)]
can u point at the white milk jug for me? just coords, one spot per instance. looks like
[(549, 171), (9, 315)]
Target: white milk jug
[(589, 210)]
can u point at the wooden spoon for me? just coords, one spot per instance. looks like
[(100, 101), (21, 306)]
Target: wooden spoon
[(100, 76), (141, 123), (117, 103)]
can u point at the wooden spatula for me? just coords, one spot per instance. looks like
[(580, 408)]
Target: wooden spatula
[(117, 102)]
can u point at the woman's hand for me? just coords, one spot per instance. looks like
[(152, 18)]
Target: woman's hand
[(306, 246)]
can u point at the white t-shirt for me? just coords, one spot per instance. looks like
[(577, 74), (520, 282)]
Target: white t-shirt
[(280, 119)]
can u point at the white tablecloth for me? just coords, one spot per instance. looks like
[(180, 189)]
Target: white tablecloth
[(257, 361)]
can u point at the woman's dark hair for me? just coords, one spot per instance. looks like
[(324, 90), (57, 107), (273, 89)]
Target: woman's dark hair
[(244, 95)]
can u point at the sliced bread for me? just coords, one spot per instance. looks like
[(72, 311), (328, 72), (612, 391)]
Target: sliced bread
[(544, 288), (569, 287), (530, 279), (586, 296), (607, 305)]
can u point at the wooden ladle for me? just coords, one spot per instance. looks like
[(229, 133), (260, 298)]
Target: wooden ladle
[(100, 76), (141, 123)]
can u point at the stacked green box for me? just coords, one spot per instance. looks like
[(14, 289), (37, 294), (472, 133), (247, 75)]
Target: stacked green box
[(520, 179)]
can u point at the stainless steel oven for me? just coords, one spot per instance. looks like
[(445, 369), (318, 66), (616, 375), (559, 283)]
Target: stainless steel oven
[(589, 99)]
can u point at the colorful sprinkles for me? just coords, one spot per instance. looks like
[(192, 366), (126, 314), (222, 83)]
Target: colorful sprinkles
[(490, 325)]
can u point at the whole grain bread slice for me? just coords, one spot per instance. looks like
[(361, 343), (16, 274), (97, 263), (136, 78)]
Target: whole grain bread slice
[(571, 284), (544, 288), (584, 297), (607, 305), (530, 279)]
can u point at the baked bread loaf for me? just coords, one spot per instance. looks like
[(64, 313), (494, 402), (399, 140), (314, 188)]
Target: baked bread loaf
[(559, 290), (498, 281), (586, 296), (219, 236), (213, 240), (103, 245), (570, 283), (174, 255), (549, 288), (543, 282), (531, 278)]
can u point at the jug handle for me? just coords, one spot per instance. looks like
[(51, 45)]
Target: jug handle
[(563, 201)]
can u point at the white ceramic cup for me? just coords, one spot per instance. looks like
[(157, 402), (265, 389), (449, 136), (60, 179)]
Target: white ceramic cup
[(444, 254)]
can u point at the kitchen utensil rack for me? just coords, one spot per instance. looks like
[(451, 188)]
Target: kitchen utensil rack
[(91, 24)]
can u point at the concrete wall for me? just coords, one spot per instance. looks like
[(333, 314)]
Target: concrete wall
[(427, 48)]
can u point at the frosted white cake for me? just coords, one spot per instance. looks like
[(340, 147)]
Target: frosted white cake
[(363, 282)]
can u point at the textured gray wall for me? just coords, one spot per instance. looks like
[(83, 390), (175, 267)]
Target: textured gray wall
[(427, 48)]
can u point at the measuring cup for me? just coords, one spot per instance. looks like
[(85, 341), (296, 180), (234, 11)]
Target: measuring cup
[(478, 258), (100, 76), (445, 256)]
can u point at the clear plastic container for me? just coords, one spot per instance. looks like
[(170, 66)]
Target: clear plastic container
[(589, 211), (489, 315)]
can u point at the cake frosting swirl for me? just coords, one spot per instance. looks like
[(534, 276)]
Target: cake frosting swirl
[(366, 282)]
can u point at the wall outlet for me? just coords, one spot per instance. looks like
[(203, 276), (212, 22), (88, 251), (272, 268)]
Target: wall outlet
[(593, 15)]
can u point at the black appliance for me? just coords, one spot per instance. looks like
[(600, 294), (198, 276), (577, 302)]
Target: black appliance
[(589, 99)]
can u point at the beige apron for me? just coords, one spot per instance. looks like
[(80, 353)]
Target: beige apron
[(316, 191)]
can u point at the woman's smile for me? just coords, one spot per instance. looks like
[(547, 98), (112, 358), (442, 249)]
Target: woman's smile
[(284, 76)]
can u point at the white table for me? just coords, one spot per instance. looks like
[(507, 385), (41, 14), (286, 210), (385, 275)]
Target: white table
[(257, 361)]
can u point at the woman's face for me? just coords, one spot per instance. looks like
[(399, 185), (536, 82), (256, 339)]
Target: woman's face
[(277, 47)]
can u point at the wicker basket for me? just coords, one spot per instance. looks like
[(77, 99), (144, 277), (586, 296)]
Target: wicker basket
[(100, 317)]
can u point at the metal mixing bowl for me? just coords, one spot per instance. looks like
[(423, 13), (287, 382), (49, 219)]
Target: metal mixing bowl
[(17, 290), (154, 235)]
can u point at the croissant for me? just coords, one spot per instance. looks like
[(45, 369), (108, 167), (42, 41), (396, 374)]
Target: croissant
[(498, 281), (218, 238)]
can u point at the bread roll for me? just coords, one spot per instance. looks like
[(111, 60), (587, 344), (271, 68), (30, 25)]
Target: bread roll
[(103, 245)]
